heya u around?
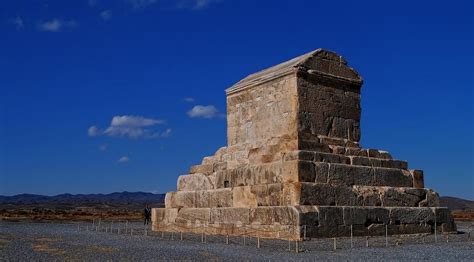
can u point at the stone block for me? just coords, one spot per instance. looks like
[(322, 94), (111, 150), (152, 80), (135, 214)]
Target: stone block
[(350, 175), (194, 182), (321, 171), (331, 158), (237, 216), (193, 217), (242, 196), (392, 177), (418, 179), (203, 169), (219, 197), (411, 215)]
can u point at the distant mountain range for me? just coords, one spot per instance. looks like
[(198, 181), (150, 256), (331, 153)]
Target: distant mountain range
[(128, 200), (137, 200), (457, 204)]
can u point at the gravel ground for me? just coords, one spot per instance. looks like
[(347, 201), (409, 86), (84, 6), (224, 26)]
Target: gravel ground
[(53, 241)]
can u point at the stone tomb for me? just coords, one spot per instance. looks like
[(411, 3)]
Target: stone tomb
[(293, 164)]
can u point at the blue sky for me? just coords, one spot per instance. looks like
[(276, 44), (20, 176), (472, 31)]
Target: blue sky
[(103, 96)]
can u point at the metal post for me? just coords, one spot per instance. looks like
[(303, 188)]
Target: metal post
[(181, 236), (162, 235), (386, 235), (289, 244), (334, 244), (447, 238), (258, 242), (244, 240), (296, 246), (227, 239), (304, 232), (367, 241), (202, 237), (423, 238), (351, 237)]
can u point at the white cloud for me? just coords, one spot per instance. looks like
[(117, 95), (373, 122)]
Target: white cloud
[(166, 133), (106, 15), (189, 99), (103, 147), (131, 127), (134, 121), (18, 22), (56, 25), (209, 111), (93, 131), (123, 159)]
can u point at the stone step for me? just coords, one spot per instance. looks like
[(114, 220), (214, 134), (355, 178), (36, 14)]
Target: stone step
[(316, 156), (293, 221), (308, 171), (281, 194)]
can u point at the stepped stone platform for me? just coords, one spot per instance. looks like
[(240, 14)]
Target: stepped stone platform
[(293, 165)]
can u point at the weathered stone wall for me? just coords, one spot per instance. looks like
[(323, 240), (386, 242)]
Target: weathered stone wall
[(328, 108), (263, 112)]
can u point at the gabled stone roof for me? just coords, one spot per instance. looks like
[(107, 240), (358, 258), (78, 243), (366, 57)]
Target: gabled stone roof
[(320, 61)]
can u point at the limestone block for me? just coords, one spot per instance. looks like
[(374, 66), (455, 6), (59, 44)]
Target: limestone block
[(291, 194), (331, 158), (180, 199), (285, 215), (194, 182), (164, 215), (418, 180), (203, 169), (367, 196), (432, 199), (355, 216), (321, 171), (230, 215), (350, 175), (392, 177), (274, 194), (377, 162), (193, 217), (242, 196), (310, 145), (351, 151), (274, 215), (308, 215), (290, 171), (299, 155), (317, 194), (218, 198), (443, 215), (402, 197), (261, 216), (411, 215), (378, 215)]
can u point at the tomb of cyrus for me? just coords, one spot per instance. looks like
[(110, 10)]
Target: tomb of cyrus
[(293, 165)]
